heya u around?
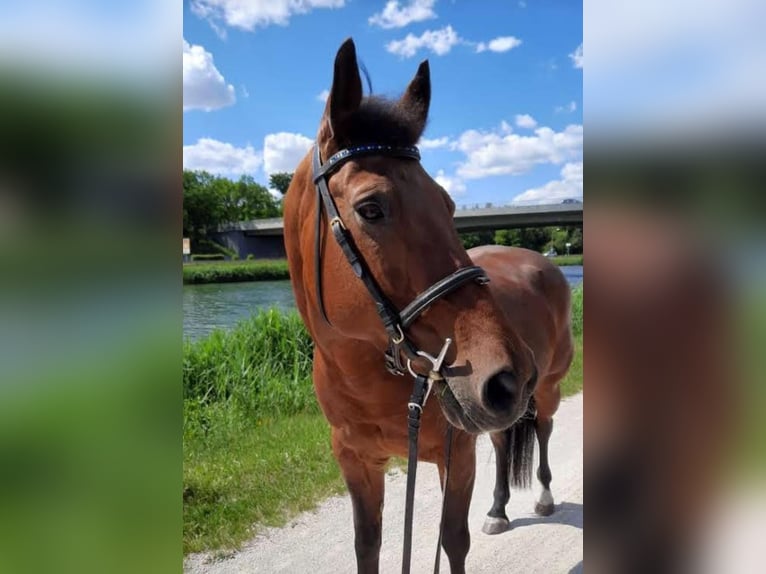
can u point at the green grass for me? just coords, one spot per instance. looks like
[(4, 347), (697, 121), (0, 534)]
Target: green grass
[(567, 259), (253, 472), (577, 310), (256, 448), (571, 384), (235, 271)]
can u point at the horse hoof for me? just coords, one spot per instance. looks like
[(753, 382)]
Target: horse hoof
[(494, 525), (544, 505), (544, 509)]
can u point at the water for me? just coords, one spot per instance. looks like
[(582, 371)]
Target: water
[(573, 273), (222, 305)]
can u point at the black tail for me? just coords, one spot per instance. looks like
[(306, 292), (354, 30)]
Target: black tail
[(521, 451)]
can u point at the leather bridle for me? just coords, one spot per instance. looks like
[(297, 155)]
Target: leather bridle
[(396, 323)]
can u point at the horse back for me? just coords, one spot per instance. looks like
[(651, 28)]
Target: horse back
[(536, 299)]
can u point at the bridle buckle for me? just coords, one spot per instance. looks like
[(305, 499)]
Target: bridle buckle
[(339, 221), (436, 366)]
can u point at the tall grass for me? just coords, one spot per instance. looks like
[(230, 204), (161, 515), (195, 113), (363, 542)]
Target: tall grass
[(263, 366), (577, 296), (256, 448)]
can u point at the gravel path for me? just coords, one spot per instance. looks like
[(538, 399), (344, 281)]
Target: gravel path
[(321, 541)]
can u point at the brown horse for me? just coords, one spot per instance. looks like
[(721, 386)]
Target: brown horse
[(512, 341)]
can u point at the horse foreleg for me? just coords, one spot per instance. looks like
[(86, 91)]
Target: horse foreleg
[(456, 538), (497, 520), (365, 481)]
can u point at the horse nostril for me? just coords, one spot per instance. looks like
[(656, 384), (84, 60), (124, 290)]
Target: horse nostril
[(500, 391)]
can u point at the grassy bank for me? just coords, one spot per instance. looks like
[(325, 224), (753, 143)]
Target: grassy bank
[(256, 447), (567, 260), (235, 271)]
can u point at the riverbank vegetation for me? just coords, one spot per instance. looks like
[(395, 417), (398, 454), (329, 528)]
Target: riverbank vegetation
[(256, 446), (234, 271), (565, 260)]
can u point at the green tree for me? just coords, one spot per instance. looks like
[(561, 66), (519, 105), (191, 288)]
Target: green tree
[(533, 238), (511, 237), (280, 181), (479, 238), (253, 201), (209, 201), (202, 211), (575, 238)]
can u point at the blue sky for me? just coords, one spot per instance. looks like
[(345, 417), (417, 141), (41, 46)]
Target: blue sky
[(506, 110)]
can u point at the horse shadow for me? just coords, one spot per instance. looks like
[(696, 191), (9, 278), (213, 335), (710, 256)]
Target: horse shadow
[(569, 513)]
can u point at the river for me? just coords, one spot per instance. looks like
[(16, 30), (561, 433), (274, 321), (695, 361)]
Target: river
[(222, 305)]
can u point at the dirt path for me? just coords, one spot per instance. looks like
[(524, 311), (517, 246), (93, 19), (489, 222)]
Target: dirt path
[(321, 541)]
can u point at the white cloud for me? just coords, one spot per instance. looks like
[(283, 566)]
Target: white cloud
[(499, 44), (393, 16), (526, 121), (569, 108), (283, 151), (250, 14), (451, 184), (435, 143), (204, 86), (323, 95), (576, 57), (221, 158), (439, 42), (570, 185), (496, 153)]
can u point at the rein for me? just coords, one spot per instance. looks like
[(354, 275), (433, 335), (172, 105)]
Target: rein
[(395, 322)]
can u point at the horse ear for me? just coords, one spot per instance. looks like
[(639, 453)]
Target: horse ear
[(346, 92), (417, 96)]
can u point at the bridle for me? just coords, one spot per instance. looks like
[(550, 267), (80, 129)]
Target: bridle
[(396, 323)]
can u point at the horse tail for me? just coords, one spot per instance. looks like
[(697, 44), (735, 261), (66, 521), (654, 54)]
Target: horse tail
[(521, 451)]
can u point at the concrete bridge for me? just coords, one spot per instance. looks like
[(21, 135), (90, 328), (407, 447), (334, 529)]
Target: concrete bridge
[(263, 237)]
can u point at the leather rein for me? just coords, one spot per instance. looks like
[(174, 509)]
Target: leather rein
[(395, 322)]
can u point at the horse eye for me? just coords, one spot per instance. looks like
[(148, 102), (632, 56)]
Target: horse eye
[(370, 211)]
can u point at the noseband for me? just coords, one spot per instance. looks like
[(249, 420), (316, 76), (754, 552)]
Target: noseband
[(396, 323)]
